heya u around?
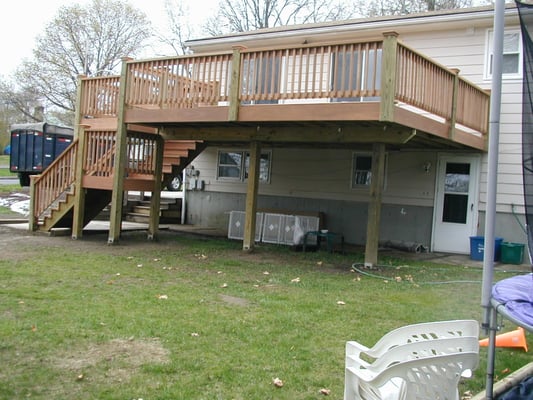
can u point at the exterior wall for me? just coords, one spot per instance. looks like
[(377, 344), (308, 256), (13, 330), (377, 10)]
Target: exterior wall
[(398, 223), (466, 49), (319, 180), (324, 175)]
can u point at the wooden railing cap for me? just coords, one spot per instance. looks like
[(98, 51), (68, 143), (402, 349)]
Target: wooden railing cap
[(391, 33)]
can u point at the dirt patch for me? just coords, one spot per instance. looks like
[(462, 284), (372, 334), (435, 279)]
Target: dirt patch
[(116, 360), (236, 301)]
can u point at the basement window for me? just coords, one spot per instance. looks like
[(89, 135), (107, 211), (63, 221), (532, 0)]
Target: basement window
[(234, 166), (361, 170)]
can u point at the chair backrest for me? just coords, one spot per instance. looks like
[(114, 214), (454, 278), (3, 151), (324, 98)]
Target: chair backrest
[(425, 331), (434, 377), (418, 350)]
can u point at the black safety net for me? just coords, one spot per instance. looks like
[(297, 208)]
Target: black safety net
[(526, 24)]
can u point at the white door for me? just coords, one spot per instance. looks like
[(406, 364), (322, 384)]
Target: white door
[(455, 215)]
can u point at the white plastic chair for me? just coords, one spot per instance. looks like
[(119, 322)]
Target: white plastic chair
[(428, 378), (416, 350), (413, 333)]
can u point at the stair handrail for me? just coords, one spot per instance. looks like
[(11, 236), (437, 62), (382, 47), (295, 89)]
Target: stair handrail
[(54, 180)]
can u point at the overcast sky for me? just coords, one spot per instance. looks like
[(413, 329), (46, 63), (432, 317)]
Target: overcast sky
[(23, 20)]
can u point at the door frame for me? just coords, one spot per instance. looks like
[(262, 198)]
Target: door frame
[(475, 163)]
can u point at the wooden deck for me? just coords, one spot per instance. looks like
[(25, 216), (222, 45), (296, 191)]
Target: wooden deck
[(379, 95), (335, 94)]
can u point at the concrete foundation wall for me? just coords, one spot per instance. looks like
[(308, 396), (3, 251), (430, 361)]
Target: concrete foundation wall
[(398, 223)]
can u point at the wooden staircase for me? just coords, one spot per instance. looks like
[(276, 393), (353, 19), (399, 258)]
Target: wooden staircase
[(177, 155), (53, 192), (60, 213), (139, 210)]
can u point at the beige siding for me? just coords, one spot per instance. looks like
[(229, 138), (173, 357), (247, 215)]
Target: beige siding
[(326, 174), (465, 49)]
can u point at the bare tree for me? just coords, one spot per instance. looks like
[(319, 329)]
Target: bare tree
[(402, 7), (179, 27), (247, 15), (81, 40)]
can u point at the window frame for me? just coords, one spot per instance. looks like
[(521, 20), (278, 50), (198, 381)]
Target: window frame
[(489, 54), (244, 165), (361, 186)]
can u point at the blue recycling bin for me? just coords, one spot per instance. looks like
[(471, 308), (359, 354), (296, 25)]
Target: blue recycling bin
[(477, 248)]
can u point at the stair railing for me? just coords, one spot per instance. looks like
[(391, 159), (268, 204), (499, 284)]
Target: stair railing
[(57, 179)]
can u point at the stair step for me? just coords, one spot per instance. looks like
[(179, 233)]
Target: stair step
[(141, 209), (164, 202)]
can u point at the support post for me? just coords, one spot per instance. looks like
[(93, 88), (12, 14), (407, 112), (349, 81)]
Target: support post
[(235, 85), (32, 218), (121, 142), (155, 200), (374, 205), (388, 76), (80, 95), (79, 191), (453, 114), (251, 197)]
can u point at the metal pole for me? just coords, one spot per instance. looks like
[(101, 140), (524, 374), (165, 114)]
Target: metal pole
[(492, 173), (183, 191), (491, 355), (489, 317)]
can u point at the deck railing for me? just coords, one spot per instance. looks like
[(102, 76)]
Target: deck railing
[(100, 96), (350, 72), (57, 179), (182, 82), (99, 157), (98, 161), (423, 84)]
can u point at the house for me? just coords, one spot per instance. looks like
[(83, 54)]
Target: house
[(433, 195), (378, 125)]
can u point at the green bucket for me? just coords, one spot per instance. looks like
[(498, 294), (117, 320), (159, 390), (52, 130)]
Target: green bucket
[(512, 253)]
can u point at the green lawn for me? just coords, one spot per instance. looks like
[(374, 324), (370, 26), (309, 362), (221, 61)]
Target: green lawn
[(196, 318), (4, 167)]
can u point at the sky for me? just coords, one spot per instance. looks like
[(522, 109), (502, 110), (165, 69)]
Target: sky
[(24, 20)]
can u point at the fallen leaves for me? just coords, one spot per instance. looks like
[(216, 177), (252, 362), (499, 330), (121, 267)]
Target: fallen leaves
[(277, 382)]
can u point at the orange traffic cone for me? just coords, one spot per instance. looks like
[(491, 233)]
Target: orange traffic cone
[(515, 338)]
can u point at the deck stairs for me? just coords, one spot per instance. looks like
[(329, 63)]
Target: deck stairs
[(139, 210), (58, 213)]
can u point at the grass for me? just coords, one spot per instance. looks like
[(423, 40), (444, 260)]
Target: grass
[(4, 171), (189, 318)]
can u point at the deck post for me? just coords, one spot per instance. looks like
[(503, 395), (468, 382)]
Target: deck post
[(251, 196), (388, 76), (453, 114), (235, 84), (79, 191), (32, 218), (121, 141), (374, 205), (155, 200), (80, 96)]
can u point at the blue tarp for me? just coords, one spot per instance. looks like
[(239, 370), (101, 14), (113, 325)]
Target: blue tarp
[(523, 391)]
